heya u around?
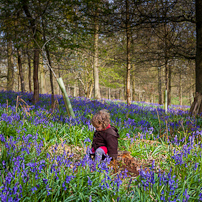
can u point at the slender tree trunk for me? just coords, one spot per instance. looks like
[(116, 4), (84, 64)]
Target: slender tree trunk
[(109, 93), (190, 92), (51, 77), (95, 66), (91, 90), (30, 72), (169, 84), (120, 92), (36, 51), (180, 88), (35, 76), (166, 75), (74, 89), (159, 86), (198, 66), (50, 66), (10, 73), (128, 68), (18, 83), (133, 84), (43, 80), (21, 71)]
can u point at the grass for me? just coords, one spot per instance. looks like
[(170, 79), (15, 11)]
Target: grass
[(37, 163)]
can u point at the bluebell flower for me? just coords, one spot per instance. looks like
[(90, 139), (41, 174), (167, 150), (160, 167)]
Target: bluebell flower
[(185, 194), (127, 135), (90, 198), (33, 189), (89, 181)]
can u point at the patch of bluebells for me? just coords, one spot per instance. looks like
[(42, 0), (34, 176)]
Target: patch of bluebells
[(138, 121), (26, 169)]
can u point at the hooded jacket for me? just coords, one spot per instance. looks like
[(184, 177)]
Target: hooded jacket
[(107, 138)]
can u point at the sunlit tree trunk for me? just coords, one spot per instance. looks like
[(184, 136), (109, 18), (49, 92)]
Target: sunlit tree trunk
[(43, 79), (91, 90), (95, 66), (10, 73), (159, 86), (180, 88), (169, 84), (75, 89), (128, 55)]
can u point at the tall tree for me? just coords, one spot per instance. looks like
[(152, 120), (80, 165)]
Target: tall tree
[(35, 32), (95, 66), (128, 55), (21, 73), (10, 74), (198, 46), (29, 70)]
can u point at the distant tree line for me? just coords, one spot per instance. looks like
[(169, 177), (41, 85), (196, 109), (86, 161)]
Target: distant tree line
[(143, 47)]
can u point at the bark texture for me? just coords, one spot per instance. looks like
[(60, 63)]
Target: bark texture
[(10, 73), (169, 84), (95, 66), (29, 73), (22, 83), (199, 46), (36, 51), (196, 107), (128, 55), (159, 86), (133, 84)]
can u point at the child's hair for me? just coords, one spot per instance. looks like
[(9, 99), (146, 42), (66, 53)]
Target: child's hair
[(101, 118)]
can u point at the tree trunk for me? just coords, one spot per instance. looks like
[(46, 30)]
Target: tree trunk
[(43, 80), (95, 66), (198, 46), (180, 88), (75, 89), (169, 84), (91, 90), (36, 51), (20, 71), (51, 77), (30, 72), (166, 76), (35, 75), (50, 66), (196, 107), (10, 73), (133, 84), (159, 86), (109, 93), (128, 67)]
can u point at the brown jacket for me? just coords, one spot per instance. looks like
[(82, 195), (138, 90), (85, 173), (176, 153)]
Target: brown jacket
[(107, 138)]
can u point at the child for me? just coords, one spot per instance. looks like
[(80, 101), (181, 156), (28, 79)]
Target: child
[(105, 139)]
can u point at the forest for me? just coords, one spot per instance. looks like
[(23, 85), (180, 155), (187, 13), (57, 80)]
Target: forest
[(128, 50), (62, 61)]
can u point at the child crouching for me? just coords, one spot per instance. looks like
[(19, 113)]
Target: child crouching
[(105, 139)]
